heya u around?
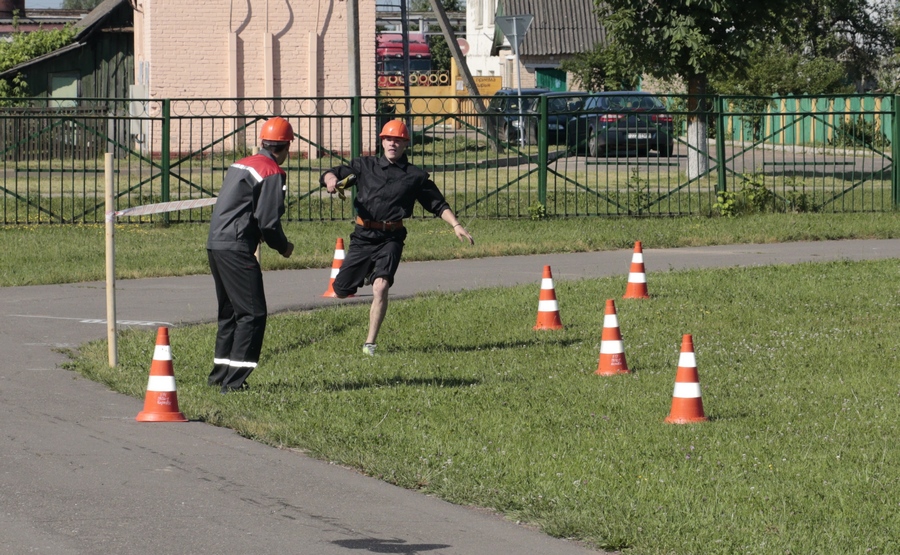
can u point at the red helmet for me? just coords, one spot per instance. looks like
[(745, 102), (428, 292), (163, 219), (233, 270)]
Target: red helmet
[(277, 129), (395, 128)]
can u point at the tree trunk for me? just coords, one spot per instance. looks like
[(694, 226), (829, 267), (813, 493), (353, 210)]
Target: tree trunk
[(698, 127)]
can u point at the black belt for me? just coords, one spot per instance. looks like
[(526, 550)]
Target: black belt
[(383, 226)]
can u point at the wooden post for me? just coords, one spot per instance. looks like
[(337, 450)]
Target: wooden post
[(110, 263)]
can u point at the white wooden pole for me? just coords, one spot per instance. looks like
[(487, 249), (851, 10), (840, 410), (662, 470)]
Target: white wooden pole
[(110, 264)]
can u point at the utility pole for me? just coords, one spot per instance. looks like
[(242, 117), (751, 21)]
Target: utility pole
[(355, 80), (353, 46), (490, 124)]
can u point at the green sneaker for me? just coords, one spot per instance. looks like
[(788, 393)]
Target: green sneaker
[(369, 349)]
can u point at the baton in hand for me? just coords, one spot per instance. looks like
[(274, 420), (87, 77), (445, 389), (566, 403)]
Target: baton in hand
[(345, 183)]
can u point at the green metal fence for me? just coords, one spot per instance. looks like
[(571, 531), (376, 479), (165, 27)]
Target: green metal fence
[(825, 154)]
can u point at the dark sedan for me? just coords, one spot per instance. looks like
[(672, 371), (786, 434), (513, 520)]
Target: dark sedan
[(562, 107), (622, 121), (504, 105)]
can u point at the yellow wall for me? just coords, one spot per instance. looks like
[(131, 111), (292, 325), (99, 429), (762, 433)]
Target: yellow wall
[(439, 101)]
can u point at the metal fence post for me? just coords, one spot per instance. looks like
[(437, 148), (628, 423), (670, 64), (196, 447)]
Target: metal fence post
[(895, 150), (165, 161), (721, 185), (542, 149)]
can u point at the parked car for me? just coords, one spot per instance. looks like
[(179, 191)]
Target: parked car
[(505, 104), (619, 121), (562, 108)]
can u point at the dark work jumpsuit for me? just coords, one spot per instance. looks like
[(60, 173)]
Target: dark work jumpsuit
[(385, 192), (248, 210)]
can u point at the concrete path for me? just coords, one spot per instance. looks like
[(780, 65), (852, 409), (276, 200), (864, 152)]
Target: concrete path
[(79, 475)]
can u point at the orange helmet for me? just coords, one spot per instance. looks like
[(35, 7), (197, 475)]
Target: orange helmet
[(277, 129), (395, 128)]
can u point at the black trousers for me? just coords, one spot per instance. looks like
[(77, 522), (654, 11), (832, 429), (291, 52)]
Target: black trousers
[(373, 254), (241, 315)]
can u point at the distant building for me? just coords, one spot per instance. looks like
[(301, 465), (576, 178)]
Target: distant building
[(31, 19), (97, 64), (561, 29)]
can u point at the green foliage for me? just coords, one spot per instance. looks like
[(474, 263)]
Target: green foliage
[(798, 201), (726, 203), (537, 211), (755, 197), (637, 196), (80, 4), (689, 38), (859, 132), (887, 75), (27, 46), (854, 33), (605, 68), (772, 69), (440, 52)]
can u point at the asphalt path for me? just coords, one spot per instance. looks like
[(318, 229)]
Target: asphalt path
[(79, 475)]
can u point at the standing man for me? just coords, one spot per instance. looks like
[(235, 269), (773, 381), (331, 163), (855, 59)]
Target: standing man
[(248, 210), (387, 188)]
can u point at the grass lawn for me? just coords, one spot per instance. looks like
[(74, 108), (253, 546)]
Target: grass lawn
[(465, 401), (45, 254)]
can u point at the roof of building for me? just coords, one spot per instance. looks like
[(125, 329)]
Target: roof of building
[(560, 27), (96, 17), (84, 27)]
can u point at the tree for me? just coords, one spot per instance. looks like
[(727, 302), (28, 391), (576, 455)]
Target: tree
[(773, 69), (87, 5), (888, 73), (440, 52), (854, 33), (693, 39), (27, 46), (601, 69)]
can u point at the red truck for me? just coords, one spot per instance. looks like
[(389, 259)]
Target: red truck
[(389, 62)]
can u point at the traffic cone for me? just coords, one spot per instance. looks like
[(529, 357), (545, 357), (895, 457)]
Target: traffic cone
[(612, 349), (161, 402), (548, 308), (335, 267), (687, 406), (637, 279)]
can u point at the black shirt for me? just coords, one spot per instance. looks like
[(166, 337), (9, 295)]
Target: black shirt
[(387, 192)]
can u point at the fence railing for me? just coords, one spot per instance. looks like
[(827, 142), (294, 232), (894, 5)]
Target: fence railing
[(559, 159)]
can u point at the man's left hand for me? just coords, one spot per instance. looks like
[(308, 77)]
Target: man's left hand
[(462, 234)]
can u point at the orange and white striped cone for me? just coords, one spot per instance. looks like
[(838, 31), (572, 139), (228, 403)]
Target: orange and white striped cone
[(335, 267), (637, 278), (612, 348), (687, 405), (161, 401), (548, 308)]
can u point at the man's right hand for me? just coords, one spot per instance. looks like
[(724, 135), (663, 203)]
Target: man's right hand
[(331, 181)]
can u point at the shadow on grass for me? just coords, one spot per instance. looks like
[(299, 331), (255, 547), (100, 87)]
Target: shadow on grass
[(493, 346), (399, 381)]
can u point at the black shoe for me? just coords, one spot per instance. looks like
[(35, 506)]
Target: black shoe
[(243, 387)]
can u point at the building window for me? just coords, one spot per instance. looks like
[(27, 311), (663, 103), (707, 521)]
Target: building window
[(478, 10), (65, 87)]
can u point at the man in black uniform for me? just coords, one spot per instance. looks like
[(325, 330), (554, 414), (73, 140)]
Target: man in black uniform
[(248, 210), (387, 188)]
